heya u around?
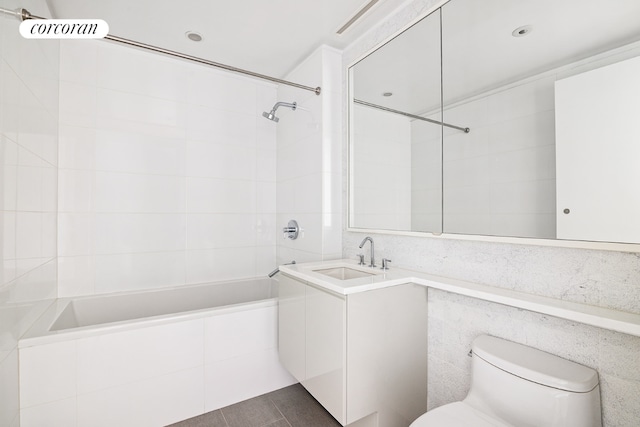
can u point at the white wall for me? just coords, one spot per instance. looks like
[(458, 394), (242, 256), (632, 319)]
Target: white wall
[(381, 179), (167, 172), (601, 278), (28, 170), (309, 164)]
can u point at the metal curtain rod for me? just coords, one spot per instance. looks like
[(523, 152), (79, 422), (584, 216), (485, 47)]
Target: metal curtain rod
[(413, 116), (24, 14)]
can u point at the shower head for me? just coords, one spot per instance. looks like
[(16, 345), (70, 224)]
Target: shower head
[(272, 114)]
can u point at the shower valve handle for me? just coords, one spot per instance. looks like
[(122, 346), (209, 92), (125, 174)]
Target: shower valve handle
[(292, 230)]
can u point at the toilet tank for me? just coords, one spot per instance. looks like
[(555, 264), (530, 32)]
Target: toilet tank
[(528, 387)]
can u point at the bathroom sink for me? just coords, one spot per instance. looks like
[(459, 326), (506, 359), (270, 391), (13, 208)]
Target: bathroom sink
[(344, 273)]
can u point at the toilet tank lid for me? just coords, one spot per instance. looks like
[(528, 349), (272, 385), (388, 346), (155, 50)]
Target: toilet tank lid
[(535, 365)]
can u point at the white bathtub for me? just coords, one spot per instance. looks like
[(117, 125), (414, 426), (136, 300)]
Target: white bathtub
[(150, 358)]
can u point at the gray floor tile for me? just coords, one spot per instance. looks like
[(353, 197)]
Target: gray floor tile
[(256, 412), (279, 423), (300, 409), (291, 406), (210, 419)]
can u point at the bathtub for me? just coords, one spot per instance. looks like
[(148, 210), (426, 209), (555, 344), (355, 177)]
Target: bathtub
[(150, 358)]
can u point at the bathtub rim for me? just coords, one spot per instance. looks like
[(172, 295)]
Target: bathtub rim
[(39, 333)]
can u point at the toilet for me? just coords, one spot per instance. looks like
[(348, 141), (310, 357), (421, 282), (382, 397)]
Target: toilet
[(516, 385)]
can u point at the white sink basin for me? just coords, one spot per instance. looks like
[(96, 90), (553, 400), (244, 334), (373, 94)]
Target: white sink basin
[(343, 273)]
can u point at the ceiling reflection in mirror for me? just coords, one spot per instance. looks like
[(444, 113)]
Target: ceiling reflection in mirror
[(501, 63)]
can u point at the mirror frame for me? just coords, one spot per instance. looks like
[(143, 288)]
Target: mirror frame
[(347, 75)]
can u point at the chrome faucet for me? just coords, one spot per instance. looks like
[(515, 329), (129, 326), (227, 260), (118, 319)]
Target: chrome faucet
[(373, 258)]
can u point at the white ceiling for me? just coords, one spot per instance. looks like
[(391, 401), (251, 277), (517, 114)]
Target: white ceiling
[(479, 53), (264, 36)]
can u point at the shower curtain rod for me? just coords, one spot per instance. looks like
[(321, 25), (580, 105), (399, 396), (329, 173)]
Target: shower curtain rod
[(413, 116), (23, 15)]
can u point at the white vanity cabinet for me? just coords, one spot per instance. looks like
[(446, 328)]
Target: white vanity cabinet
[(311, 341), (361, 355)]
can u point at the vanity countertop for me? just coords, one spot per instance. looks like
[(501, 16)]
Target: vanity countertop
[(315, 273)]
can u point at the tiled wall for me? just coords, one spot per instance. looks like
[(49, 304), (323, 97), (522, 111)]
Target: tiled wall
[(455, 320), (381, 180), (309, 168), (499, 179), (167, 172), (28, 174), (426, 176), (604, 278)]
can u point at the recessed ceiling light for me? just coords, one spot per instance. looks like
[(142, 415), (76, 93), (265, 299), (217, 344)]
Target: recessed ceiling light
[(193, 36), (387, 94), (522, 31)]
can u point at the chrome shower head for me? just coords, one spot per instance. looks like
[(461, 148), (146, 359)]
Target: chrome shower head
[(272, 114)]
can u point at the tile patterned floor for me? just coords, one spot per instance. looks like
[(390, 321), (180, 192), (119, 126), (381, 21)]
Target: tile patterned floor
[(291, 406)]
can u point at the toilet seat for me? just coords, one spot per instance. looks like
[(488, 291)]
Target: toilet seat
[(457, 414)]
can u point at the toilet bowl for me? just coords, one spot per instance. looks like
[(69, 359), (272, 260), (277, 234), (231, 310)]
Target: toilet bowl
[(516, 385)]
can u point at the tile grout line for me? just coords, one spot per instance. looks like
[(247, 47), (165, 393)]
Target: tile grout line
[(279, 411), (223, 417)]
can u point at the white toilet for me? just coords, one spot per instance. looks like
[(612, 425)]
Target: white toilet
[(516, 385)]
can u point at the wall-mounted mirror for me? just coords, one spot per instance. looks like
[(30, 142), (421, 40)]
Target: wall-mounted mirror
[(396, 176), (514, 73)]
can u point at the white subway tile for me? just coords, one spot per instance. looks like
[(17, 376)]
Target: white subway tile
[(467, 172), (266, 229), (47, 373), (58, 413), (156, 401), (236, 334), (224, 92), (522, 197), (243, 377), (220, 195), (76, 190), (208, 231), (134, 193), (265, 164), (76, 276), (285, 196), (77, 234), (211, 159), (138, 271), (126, 357), (265, 260), (211, 265), (130, 70), (77, 104), (266, 197), (308, 193), (77, 147), (467, 200), (9, 378), (8, 238), (78, 61), (145, 232), (128, 112), (526, 164), (222, 126), (127, 151), (29, 233)]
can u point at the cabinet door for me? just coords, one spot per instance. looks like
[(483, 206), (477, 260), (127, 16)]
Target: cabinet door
[(597, 154), (291, 325), (325, 350)]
